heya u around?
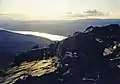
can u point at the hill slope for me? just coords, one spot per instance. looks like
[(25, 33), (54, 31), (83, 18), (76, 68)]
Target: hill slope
[(12, 44)]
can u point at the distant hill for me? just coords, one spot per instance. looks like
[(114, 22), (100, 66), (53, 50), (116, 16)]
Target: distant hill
[(12, 44), (61, 27)]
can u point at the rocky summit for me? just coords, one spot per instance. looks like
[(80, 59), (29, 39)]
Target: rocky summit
[(89, 57)]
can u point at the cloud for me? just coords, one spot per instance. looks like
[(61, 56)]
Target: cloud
[(94, 13), (71, 14), (89, 13)]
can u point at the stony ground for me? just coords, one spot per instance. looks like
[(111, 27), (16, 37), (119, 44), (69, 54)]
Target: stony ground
[(33, 68)]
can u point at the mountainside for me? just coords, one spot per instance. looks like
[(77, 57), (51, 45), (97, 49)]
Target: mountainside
[(89, 57), (12, 44)]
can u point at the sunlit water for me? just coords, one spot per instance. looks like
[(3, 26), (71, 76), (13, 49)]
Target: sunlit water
[(44, 35)]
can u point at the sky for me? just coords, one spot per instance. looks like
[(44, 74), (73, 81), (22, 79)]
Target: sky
[(59, 9)]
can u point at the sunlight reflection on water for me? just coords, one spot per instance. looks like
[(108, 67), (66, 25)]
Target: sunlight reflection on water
[(44, 35)]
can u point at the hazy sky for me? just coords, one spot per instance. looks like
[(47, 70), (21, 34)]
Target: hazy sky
[(59, 9)]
